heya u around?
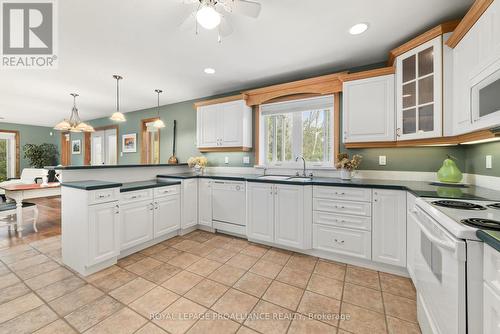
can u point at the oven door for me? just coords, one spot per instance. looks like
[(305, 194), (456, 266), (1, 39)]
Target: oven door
[(439, 270)]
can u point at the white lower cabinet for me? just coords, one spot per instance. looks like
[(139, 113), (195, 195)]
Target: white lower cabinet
[(104, 227), (136, 223), (205, 202), (491, 290), (389, 227), (280, 214), (167, 215), (260, 222), (342, 240), (189, 216)]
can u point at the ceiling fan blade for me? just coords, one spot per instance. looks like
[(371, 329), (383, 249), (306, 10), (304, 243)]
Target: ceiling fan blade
[(225, 27), (247, 8)]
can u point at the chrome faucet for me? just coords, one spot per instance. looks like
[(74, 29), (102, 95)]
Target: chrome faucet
[(304, 161), (265, 170)]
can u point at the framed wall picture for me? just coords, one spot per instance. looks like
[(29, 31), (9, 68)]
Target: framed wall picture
[(129, 143), (76, 146)]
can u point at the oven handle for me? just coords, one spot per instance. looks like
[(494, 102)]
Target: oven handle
[(435, 240)]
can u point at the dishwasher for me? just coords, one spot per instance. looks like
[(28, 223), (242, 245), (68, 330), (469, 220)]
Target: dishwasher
[(229, 206)]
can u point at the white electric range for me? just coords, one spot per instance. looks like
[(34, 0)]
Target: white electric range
[(445, 260)]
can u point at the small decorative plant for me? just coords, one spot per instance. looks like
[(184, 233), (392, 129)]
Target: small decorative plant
[(41, 155), (199, 163), (347, 165)]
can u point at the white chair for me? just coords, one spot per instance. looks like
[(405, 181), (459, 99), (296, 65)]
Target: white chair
[(9, 218), (28, 176)]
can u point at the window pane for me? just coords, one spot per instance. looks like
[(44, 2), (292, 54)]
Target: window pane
[(426, 90), (315, 140), (269, 137), (279, 138), (409, 92), (426, 118), (409, 69), (409, 121), (426, 62)]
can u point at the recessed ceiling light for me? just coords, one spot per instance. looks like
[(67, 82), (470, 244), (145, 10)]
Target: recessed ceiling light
[(358, 28), (209, 70)]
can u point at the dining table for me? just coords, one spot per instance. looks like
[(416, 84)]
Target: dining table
[(21, 192)]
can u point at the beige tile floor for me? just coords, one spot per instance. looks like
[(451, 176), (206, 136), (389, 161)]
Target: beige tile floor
[(200, 283)]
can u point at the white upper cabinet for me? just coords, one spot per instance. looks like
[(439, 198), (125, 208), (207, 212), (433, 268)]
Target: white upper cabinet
[(389, 227), (419, 91), (476, 64), (224, 125), (368, 110)]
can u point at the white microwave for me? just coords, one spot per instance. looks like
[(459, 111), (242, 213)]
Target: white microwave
[(485, 96)]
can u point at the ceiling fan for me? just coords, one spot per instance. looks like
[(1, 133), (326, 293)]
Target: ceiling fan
[(211, 14)]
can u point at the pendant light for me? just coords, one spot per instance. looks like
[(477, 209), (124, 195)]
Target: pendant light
[(74, 124), (158, 123), (117, 115)]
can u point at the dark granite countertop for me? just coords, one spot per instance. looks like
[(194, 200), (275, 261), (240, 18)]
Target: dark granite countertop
[(491, 238), (132, 186), (91, 184), (418, 188), (113, 166)]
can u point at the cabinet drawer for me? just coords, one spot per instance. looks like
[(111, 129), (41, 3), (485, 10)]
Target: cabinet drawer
[(342, 240), (103, 195), (139, 195), (335, 219), (169, 190), (350, 208), (491, 267), (343, 193)]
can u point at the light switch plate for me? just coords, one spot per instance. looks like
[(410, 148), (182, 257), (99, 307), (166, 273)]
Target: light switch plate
[(246, 159), (489, 162), (382, 160), (226, 160)]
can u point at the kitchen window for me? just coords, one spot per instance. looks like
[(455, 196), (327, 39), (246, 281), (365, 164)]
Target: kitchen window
[(298, 128)]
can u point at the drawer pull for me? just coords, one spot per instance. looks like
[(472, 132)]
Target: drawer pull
[(338, 241), (337, 193), (104, 196)]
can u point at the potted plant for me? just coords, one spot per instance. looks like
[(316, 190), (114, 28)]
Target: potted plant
[(198, 163), (346, 165)]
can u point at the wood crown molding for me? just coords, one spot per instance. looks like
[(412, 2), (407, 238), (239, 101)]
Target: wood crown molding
[(421, 39), (224, 149), (220, 100), (368, 74), (474, 13), (322, 85), (451, 140)]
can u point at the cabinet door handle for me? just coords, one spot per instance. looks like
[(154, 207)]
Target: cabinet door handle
[(398, 132), (151, 206), (338, 241)]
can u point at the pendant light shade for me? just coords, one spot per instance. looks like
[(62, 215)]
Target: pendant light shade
[(117, 115), (74, 124), (158, 123)]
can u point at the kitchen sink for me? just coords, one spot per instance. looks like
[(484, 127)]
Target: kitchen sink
[(274, 177), (299, 179)]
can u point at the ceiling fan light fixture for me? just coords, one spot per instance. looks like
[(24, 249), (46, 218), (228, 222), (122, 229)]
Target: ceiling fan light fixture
[(207, 16), (358, 29)]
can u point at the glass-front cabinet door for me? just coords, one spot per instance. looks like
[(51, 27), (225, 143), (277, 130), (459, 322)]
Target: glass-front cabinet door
[(419, 91)]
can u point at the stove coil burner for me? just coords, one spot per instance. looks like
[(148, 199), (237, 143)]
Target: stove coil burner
[(494, 206), (482, 223), (459, 205)]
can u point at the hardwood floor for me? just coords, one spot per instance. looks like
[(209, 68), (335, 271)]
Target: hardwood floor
[(49, 224)]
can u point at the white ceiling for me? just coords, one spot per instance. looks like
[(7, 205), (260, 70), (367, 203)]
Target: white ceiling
[(141, 40)]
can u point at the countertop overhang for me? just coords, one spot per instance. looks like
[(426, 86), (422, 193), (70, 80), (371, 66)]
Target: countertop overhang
[(114, 166)]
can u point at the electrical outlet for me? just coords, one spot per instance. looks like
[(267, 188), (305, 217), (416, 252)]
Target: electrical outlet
[(226, 160), (382, 160), (246, 160), (489, 162)]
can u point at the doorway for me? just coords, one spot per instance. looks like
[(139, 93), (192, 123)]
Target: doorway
[(103, 144), (9, 154), (150, 144), (65, 149)]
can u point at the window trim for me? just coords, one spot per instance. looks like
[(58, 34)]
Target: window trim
[(335, 131)]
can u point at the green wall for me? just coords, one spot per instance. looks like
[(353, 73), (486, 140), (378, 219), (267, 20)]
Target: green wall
[(30, 134), (475, 158)]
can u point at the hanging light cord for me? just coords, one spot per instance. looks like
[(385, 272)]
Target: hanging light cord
[(158, 91)]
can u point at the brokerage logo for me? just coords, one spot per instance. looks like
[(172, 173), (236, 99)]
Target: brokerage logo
[(28, 34)]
